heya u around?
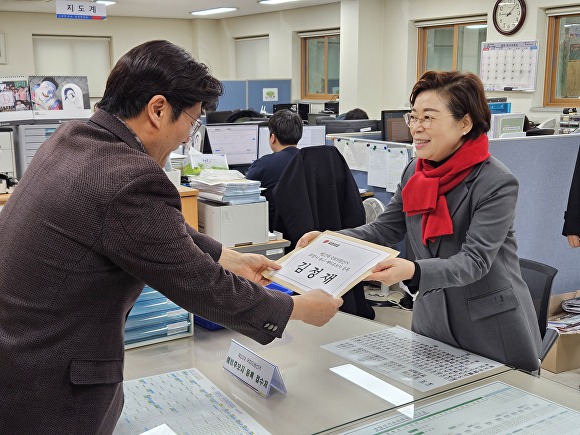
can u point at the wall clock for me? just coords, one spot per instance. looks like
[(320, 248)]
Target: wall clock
[(509, 16)]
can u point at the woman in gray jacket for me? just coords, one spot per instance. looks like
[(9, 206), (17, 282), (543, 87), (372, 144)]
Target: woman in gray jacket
[(456, 206)]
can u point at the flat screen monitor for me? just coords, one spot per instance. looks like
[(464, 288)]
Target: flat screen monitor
[(304, 110), (239, 142), (290, 106), (393, 126), (332, 106), (312, 135), (335, 126)]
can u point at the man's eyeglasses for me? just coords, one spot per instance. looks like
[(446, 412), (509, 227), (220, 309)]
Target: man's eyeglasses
[(194, 125), (425, 121)]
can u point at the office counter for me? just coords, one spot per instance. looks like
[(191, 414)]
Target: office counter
[(317, 399), (475, 412)]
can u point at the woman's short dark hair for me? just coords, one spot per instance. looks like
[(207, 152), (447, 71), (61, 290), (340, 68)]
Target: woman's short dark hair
[(287, 126), (158, 68), (464, 93)]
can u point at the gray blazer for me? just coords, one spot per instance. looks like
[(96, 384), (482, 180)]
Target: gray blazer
[(93, 219), (471, 293)]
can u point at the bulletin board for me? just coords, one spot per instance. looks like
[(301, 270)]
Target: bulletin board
[(509, 66)]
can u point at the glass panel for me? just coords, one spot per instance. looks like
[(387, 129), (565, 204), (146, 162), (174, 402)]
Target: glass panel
[(333, 64), (469, 47), (440, 48), (315, 50), (568, 69)]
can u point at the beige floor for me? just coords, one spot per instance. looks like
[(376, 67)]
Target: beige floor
[(397, 316)]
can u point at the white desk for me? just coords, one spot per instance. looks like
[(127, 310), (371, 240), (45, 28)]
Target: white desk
[(317, 399), (525, 411)]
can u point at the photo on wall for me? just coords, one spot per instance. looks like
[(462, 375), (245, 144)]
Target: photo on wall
[(60, 97), (15, 104)]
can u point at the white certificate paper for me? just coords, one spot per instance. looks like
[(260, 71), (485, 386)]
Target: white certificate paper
[(331, 262)]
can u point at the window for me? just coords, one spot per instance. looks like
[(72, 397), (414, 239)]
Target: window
[(320, 66), (447, 47), (562, 84)]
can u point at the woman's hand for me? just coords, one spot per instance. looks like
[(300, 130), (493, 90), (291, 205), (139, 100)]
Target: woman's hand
[(392, 270), (574, 241), (307, 238), (249, 266)]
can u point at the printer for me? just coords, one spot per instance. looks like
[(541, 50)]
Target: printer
[(234, 225)]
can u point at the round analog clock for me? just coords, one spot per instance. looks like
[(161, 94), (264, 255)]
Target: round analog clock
[(509, 16)]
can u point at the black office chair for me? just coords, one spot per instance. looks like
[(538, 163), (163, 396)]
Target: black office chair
[(317, 191), (539, 278), (540, 131)]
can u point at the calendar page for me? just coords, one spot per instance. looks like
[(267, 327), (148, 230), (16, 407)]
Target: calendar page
[(509, 66)]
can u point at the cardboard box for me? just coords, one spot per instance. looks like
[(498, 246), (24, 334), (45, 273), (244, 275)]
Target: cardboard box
[(565, 353)]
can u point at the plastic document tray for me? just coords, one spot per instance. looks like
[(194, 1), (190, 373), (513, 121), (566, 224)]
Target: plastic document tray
[(143, 334), (152, 306), (156, 319), (149, 293)]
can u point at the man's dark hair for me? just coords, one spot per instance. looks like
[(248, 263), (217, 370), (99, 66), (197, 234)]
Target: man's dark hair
[(286, 126), (158, 68), (356, 114)]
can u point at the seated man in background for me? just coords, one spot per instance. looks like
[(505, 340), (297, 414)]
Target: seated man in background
[(285, 131), (356, 114)]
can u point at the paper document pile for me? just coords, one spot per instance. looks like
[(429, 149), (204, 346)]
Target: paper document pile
[(571, 305), (565, 322), (226, 187)]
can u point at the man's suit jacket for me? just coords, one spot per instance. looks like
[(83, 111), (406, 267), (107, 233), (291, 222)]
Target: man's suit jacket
[(93, 219), (572, 215), (471, 293)]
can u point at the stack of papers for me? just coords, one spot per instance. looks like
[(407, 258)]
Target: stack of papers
[(571, 305), (226, 187), (565, 322)]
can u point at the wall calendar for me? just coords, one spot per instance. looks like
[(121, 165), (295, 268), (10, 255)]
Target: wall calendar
[(509, 66)]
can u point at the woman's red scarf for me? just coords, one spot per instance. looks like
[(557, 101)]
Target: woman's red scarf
[(425, 191)]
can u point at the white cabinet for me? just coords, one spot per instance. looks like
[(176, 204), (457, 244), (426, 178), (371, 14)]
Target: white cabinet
[(30, 137), (7, 160)]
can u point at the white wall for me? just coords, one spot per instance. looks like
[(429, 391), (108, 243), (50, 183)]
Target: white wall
[(379, 35)]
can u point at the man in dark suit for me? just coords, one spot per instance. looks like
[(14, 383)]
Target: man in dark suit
[(94, 218), (285, 131)]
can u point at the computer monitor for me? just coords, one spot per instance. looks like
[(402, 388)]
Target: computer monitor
[(393, 126), (239, 142), (304, 110), (335, 126), (312, 135), (332, 106), (290, 106)]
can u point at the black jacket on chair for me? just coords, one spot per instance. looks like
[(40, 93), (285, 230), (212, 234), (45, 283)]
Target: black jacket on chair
[(317, 191)]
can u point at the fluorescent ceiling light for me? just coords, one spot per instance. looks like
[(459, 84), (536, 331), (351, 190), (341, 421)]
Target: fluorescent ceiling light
[(105, 2), (275, 2), (477, 26), (214, 11)]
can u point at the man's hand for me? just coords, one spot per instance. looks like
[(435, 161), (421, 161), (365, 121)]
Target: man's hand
[(392, 270), (307, 238), (249, 266), (315, 307)]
